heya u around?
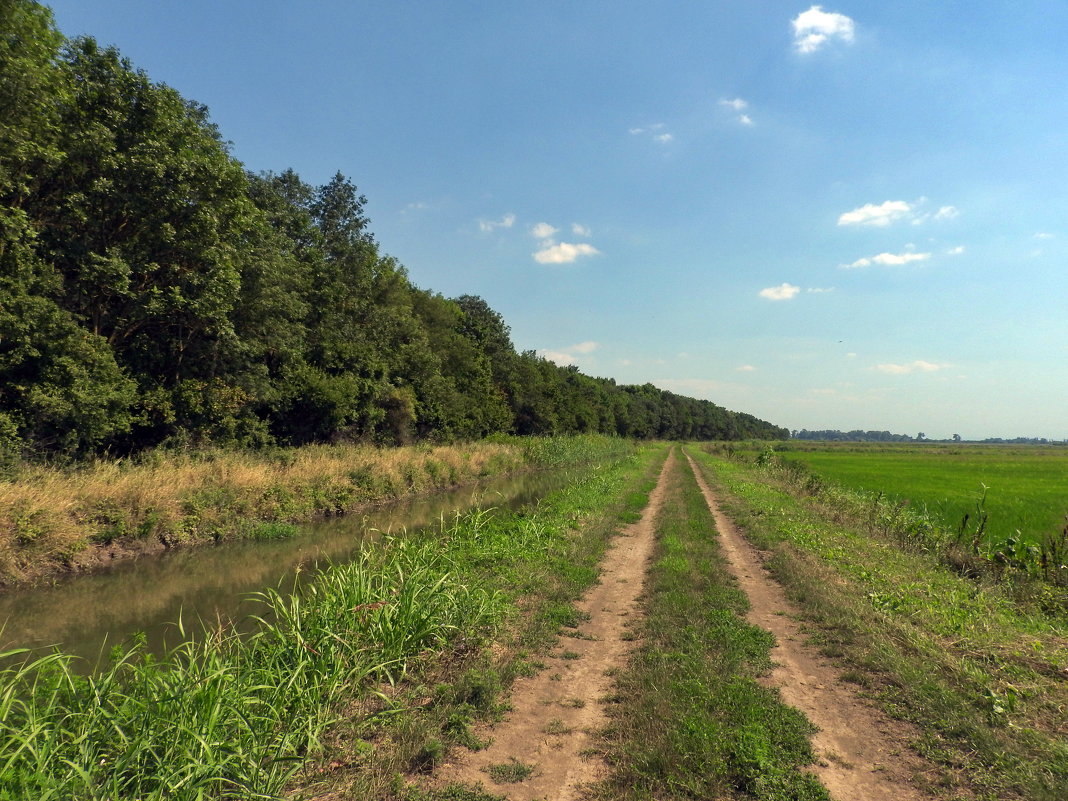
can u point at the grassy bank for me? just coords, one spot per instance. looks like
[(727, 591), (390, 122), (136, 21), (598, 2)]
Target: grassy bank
[(979, 670), (690, 719), (376, 669), (57, 520)]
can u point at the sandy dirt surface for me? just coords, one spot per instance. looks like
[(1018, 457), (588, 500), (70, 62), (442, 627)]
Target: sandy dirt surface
[(556, 714), (862, 754)]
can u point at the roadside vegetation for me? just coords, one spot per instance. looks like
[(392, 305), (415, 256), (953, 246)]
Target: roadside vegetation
[(55, 520), (691, 719), (917, 502), (976, 660), (372, 671)]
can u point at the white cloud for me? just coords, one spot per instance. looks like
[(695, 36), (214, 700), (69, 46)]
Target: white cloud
[(580, 230), (543, 231), (738, 105), (955, 251), (746, 368), (1043, 235), (563, 359), (655, 131), (947, 213), (882, 215), (817, 290), (815, 27), (918, 366), (782, 292), (568, 355), (584, 347), (564, 253), (486, 226), (888, 260)]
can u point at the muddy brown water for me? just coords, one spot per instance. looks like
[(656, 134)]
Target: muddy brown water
[(89, 615)]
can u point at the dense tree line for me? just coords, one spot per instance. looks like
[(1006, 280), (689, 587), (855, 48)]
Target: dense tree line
[(152, 291)]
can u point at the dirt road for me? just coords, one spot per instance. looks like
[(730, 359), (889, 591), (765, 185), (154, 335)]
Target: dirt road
[(556, 714)]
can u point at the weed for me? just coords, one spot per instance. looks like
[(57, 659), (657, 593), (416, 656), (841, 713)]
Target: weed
[(511, 772), (557, 727)]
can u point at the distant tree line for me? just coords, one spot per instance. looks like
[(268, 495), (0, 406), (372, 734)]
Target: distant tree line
[(833, 435), (152, 291)]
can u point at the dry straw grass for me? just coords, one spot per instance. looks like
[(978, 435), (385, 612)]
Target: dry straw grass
[(50, 519)]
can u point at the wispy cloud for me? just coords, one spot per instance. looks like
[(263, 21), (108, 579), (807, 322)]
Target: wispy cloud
[(580, 230), (543, 231), (585, 347), (918, 366), (1043, 235), (815, 28), (819, 290), (955, 251), (782, 292), (888, 260), (879, 215), (737, 105), (486, 226), (564, 252), (890, 211), (745, 368), (568, 355), (655, 132)]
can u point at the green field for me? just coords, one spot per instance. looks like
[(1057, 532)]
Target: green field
[(1026, 487)]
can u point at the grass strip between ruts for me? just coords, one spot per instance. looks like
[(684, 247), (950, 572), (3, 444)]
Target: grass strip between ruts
[(690, 719)]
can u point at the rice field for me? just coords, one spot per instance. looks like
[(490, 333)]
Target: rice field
[(1020, 488)]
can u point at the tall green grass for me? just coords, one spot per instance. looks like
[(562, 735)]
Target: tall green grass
[(239, 716), (233, 717)]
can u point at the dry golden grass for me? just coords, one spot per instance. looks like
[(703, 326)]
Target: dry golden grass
[(51, 518)]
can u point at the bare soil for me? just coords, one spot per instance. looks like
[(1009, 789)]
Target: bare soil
[(862, 755), (556, 714)]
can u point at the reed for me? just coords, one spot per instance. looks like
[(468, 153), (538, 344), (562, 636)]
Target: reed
[(56, 520)]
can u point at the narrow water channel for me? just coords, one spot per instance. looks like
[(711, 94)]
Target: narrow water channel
[(88, 615)]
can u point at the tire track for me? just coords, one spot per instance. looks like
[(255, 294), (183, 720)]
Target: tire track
[(861, 753), (556, 714)]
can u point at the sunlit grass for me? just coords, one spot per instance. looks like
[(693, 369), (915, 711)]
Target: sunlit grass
[(50, 518), (980, 672)]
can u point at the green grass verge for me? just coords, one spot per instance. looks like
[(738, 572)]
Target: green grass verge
[(981, 675), (376, 668), (689, 719)]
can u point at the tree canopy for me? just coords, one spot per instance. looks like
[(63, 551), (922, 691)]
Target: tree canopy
[(152, 291)]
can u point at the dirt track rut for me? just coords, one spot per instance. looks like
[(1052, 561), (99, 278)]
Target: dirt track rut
[(556, 714)]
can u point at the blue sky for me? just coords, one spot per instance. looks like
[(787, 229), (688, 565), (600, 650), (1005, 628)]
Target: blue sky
[(845, 216)]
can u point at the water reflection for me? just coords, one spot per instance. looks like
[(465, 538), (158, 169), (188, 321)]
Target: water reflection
[(88, 615)]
